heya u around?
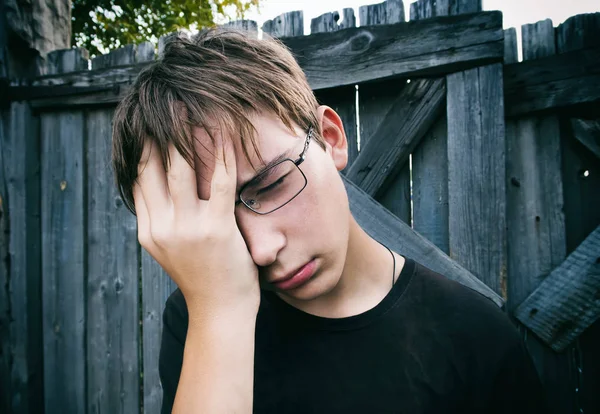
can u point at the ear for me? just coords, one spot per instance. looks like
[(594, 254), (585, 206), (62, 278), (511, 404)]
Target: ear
[(332, 131)]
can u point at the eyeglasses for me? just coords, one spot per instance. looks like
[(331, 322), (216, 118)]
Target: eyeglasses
[(276, 186)]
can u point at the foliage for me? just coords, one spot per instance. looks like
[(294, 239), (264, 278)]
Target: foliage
[(102, 25)]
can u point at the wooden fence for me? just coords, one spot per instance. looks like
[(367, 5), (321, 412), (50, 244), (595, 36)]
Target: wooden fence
[(478, 166)]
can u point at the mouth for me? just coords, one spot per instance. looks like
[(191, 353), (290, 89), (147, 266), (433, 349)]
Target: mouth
[(297, 278)]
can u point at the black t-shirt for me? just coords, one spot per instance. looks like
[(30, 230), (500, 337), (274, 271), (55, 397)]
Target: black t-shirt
[(430, 346)]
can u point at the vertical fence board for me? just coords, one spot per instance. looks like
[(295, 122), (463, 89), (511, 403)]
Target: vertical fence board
[(63, 250), (477, 197), (21, 156), (285, 25), (511, 53), (342, 100), (581, 181), (375, 100), (535, 220), (430, 186), (6, 393), (63, 290), (430, 166), (112, 288)]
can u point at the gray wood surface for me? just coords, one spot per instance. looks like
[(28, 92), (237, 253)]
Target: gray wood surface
[(477, 198), (417, 106), (587, 131), (67, 60), (343, 99), (387, 12), (63, 253), (430, 166), (113, 371), (286, 24), (430, 185), (511, 53), (536, 223), (578, 32), (63, 261), (582, 199), (536, 237), (247, 25), (355, 55), (574, 79), (375, 100), (400, 237), (566, 302), (21, 201), (6, 392)]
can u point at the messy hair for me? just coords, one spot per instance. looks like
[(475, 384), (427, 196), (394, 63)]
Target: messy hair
[(217, 79)]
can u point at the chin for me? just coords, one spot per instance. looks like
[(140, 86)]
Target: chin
[(315, 288)]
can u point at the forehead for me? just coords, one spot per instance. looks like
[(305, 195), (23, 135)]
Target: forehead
[(272, 139)]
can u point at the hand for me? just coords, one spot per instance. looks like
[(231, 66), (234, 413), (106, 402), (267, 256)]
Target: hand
[(196, 241)]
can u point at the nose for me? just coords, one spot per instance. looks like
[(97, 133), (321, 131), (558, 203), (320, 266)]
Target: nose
[(263, 235)]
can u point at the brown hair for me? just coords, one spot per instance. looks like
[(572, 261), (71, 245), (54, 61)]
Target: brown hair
[(220, 76)]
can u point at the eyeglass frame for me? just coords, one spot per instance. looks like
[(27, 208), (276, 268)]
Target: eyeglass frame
[(296, 162)]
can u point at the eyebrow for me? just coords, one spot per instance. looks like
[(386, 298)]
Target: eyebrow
[(284, 155)]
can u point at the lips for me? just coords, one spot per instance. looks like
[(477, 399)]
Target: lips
[(296, 278)]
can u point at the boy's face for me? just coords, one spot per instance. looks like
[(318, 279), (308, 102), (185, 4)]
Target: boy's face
[(311, 231)]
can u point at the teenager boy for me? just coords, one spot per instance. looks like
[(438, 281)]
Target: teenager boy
[(285, 305)]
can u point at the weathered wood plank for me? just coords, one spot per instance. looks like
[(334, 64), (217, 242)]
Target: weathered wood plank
[(335, 59), (425, 9), (574, 79), (416, 108), (579, 32), (587, 132), (430, 165), (388, 12), (21, 198), (112, 287), (343, 99), (397, 235), (125, 55), (375, 101), (430, 185), (511, 53), (67, 60), (581, 177), (156, 288), (566, 302), (285, 25), (6, 394), (477, 198), (63, 292), (63, 257), (246, 25)]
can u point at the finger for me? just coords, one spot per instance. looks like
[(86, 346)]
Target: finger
[(143, 219), (152, 181), (181, 179), (224, 179)]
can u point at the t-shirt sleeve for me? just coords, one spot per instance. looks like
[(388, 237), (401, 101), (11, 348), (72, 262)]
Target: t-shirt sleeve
[(171, 349)]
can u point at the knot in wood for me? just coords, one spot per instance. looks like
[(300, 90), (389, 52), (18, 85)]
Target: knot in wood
[(118, 285), (361, 42)]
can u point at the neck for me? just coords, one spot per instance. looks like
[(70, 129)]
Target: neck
[(365, 280)]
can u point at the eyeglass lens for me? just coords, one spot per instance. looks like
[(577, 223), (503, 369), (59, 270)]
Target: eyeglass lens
[(274, 188)]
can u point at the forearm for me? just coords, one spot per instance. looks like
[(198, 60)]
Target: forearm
[(218, 366)]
